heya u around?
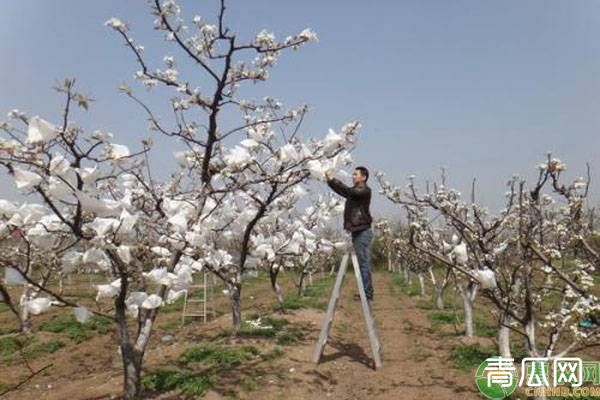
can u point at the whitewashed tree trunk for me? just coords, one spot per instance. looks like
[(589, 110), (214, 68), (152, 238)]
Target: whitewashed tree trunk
[(439, 297), (407, 278), (274, 273), (504, 336), (24, 311), (468, 311), (61, 285), (302, 285), (422, 284), (468, 293), (531, 342), (236, 307)]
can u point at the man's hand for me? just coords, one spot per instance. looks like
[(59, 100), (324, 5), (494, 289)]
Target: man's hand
[(329, 174)]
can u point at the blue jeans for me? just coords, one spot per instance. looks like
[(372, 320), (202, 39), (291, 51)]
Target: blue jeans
[(361, 241)]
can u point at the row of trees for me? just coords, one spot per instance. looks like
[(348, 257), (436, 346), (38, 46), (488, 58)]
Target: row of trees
[(230, 205), (534, 261)]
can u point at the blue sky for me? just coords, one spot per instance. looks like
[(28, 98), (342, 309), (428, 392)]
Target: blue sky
[(482, 88)]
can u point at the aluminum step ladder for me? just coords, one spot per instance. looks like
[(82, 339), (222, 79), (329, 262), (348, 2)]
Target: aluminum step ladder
[(366, 308), (205, 299)]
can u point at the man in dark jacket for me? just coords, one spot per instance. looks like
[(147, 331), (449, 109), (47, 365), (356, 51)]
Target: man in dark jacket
[(357, 219)]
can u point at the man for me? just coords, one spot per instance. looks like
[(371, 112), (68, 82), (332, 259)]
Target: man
[(357, 219)]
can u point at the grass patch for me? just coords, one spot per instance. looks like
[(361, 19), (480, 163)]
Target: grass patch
[(177, 305), (219, 357), (518, 351), (271, 327), (76, 331), (468, 357), (438, 318), (483, 328), (190, 385), (398, 284), (49, 347), (280, 329), (274, 354), (4, 387), (315, 296), (11, 346), (292, 335), (198, 368), (170, 324), (424, 305), (3, 307)]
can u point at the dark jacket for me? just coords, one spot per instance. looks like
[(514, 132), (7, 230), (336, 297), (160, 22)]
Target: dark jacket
[(356, 210)]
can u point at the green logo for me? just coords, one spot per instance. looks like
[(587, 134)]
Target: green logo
[(496, 378)]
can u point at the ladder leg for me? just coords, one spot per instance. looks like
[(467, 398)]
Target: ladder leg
[(328, 318), (184, 308), (204, 304), (373, 339)]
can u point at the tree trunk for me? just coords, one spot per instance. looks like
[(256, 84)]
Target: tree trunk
[(132, 360), (468, 308), (422, 284), (302, 285), (277, 289), (439, 298), (132, 368), (25, 321), (504, 336), (61, 286), (468, 293), (236, 308), (531, 343)]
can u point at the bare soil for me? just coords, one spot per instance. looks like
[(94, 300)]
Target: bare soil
[(416, 362)]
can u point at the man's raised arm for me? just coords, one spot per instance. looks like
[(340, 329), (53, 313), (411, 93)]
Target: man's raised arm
[(346, 191)]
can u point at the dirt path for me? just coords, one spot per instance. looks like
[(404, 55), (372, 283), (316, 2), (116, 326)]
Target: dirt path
[(415, 362)]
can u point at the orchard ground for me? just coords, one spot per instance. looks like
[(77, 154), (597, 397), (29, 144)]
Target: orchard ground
[(424, 353)]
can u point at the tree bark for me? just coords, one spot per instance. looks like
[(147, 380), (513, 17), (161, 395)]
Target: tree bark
[(504, 337), (468, 293), (439, 298), (468, 308), (132, 368), (302, 285), (274, 273), (236, 308), (422, 284), (25, 321)]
